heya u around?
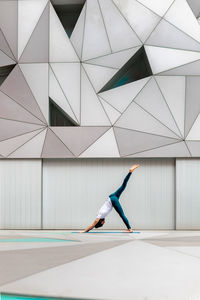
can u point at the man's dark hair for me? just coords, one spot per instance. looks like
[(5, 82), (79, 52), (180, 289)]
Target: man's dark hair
[(99, 224)]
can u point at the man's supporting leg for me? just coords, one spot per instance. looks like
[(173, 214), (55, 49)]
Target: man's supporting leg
[(122, 187), (117, 206)]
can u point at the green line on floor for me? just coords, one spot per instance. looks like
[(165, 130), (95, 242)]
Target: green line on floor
[(23, 297)]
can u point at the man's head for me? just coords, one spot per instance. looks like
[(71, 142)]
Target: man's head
[(100, 223)]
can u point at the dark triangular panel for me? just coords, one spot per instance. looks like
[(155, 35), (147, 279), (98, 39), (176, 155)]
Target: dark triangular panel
[(57, 117), (5, 71), (68, 13), (136, 68)]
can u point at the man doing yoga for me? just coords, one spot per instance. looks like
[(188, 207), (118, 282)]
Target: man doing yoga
[(110, 203)]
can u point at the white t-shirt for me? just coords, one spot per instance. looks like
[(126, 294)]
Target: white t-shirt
[(105, 209)]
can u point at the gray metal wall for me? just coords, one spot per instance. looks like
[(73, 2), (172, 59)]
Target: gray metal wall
[(188, 193), (68, 193), (74, 190), (20, 194)]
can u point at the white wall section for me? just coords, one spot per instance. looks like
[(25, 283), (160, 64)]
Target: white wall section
[(74, 190), (20, 194), (188, 193)]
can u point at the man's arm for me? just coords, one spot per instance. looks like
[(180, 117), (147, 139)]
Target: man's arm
[(91, 226)]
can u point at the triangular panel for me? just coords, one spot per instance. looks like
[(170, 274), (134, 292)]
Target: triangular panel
[(174, 150), (121, 35), (122, 96), (78, 33), (61, 49), (194, 147), (36, 76), (11, 110), (151, 99), (29, 13), (173, 89), (37, 49), (94, 44), (78, 139), (136, 118), (32, 148), (8, 12), (15, 128), (194, 133), (166, 35), (4, 47), (184, 20), (68, 13), (68, 76), (54, 147), (98, 75), (57, 95), (105, 146), (195, 7), (5, 60), (114, 60), (16, 87), (138, 141), (92, 112), (192, 101), (57, 117), (141, 19), (10, 145), (159, 7), (5, 71), (162, 59), (112, 113), (136, 68), (187, 69)]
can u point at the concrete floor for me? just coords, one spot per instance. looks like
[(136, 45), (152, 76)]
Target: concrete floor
[(150, 265)]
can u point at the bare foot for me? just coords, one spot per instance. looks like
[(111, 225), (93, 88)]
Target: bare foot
[(128, 230), (133, 168)]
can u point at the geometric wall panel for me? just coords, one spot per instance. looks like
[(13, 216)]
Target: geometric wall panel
[(36, 76), (10, 145), (195, 6), (32, 148), (126, 92), (141, 19), (9, 11), (159, 7), (16, 87), (167, 35), (178, 149), (28, 10), (78, 33), (78, 139), (54, 147), (95, 82), (37, 48), (151, 99), (173, 90), (138, 141), (56, 93), (4, 47), (114, 60), (94, 44), (122, 36), (191, 27), (105, 146)]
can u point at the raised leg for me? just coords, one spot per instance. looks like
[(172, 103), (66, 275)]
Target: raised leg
[(122, 187)]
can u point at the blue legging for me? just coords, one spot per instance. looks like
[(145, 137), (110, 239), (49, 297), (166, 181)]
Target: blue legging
[(115, 200)]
